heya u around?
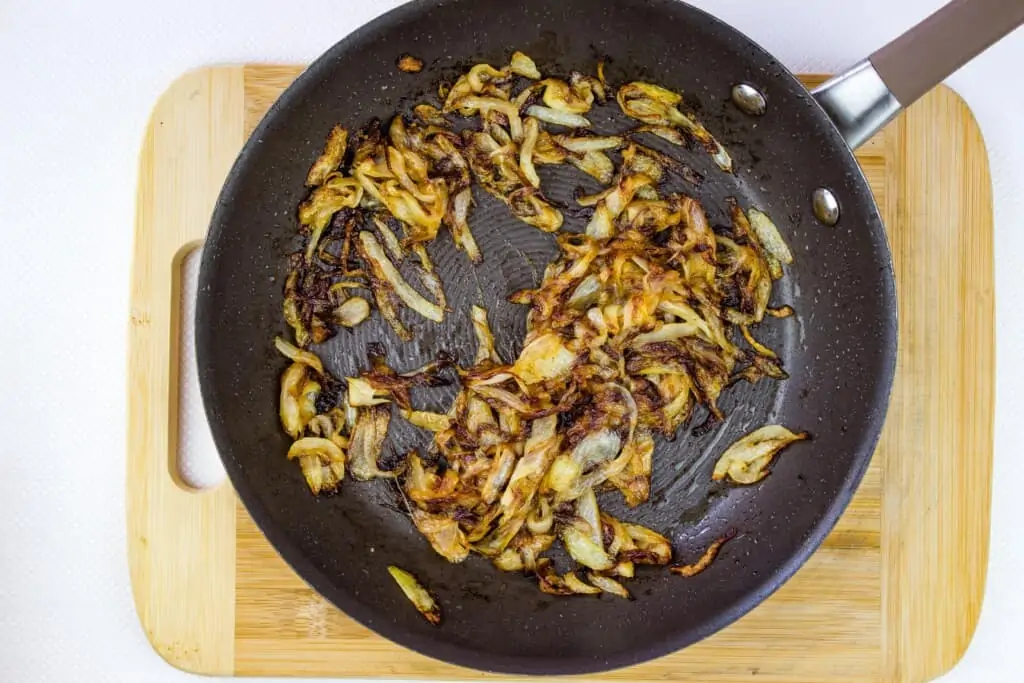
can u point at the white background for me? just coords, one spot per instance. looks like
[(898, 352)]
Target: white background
[(80, 79)]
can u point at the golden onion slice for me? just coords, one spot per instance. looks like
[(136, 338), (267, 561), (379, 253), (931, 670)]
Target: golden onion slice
[(557, 117), (424, 419), (566, 98), (458, 222), (657, 106), (531, 131), (545, 358), (362, 393), (609, 585), (578, 585), (367, 442), (583, 549), (298, 355), (444, 535), (385, 270), (522, 65), (651, 547), (331, 157), (484, 339), (352, 311), (747, 460), (322, 462), (290, 404), (769, 235), (421, 599)]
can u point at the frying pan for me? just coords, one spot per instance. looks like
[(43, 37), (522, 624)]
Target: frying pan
[(794, 161)]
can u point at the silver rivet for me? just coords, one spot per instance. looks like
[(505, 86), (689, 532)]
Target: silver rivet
[(826, 206), (749, 99)]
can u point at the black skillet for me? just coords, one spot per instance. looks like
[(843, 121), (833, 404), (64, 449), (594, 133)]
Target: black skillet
[(840, 349)]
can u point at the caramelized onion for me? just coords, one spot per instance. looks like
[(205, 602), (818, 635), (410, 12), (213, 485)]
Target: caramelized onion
[(330, 159), (522, 65), (703, 562), (421, 599), (352, 312), (386, 271), (747, 460), (634, 324), (557, 117)]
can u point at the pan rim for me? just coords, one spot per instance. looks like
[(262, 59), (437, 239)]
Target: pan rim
[(461, 655)]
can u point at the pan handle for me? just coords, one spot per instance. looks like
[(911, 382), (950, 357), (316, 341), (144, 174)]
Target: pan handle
[(866, 97)]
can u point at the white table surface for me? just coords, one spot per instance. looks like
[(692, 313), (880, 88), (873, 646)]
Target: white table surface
[(81, 79)]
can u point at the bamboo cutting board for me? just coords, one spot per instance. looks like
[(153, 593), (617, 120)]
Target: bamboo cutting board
[(893, 594)]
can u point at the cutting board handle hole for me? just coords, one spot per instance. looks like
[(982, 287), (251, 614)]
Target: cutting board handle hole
[(194, 461)]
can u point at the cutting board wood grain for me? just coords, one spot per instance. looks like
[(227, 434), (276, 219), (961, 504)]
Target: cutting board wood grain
[(893, 594)]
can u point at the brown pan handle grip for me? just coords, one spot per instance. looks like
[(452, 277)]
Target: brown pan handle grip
[(866, 97)]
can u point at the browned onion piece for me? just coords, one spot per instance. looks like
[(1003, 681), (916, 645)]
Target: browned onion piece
[(384, 269), (546, 357), (352, 311), (362, 393), (330, 159), (651, 547), (584, 550), (541, 518), (292, 407), (499, 475), (703, 562), (578, 585), (444, 535), (496, 167), (575, 98), (609, 585), (531, 131), (484, 338), (658, 107), (509, 561), (459, 223), (409, 64), (595, 164), (601, 225), (298, 355), (368, 434), (557, 117), (747, 460), (430, 115), (769, 236), (428, 276), (473, 104), (589, 143), (760, 348), (421, 599), (541, 448), (322, 462), (391, 243), (523, 66), (434, 422), (548, 579), (316, 211)]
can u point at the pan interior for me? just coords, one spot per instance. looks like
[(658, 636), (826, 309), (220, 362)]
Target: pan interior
[(839, 349)]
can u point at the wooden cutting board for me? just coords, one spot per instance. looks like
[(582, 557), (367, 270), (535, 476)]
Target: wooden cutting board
[(893, 594)]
